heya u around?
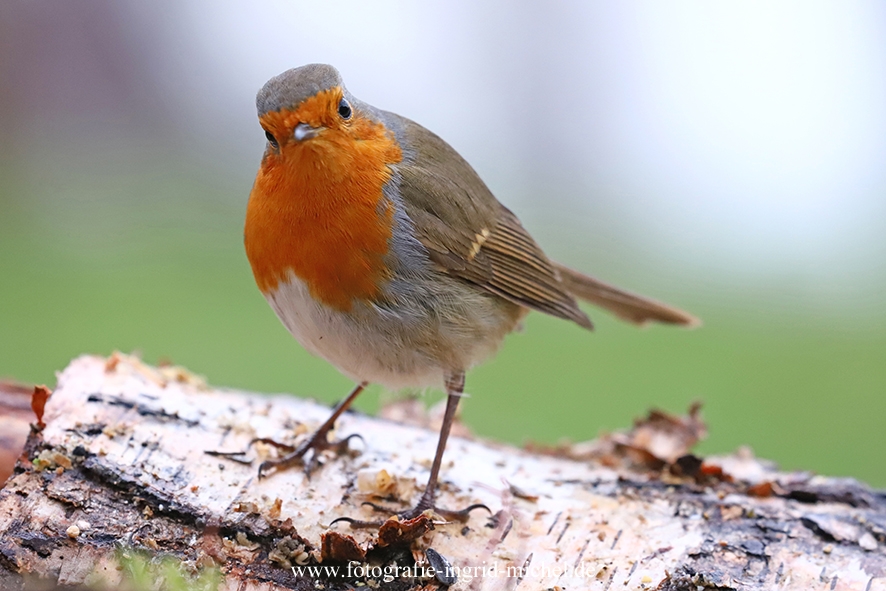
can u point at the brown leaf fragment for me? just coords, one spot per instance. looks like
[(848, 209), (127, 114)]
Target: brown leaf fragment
[(667, 436), (112, 362), (38, 403), (763, 489), (245, 507), (654, 442), (210, 546), (336, 547), (637, 455), (395, 532), (713, 472), (274, 511), (687, 465)]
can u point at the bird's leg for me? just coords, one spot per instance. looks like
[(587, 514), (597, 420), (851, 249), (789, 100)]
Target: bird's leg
[(316, 443), (454, 388)]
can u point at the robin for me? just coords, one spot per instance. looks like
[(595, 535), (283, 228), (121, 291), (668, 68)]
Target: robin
[(382, 251)]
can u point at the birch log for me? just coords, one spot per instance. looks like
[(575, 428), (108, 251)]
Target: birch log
[(122, 463)]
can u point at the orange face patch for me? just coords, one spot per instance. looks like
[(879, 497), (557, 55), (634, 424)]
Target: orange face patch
[(316, 207)]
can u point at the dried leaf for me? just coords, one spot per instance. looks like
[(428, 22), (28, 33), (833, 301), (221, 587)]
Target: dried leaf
[(713, 472), (654, 442), (394, 532), (763, 489), (38, 403), (336, 547), (687, 465)]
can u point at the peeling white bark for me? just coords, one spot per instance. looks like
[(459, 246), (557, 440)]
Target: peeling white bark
[(122, 459)]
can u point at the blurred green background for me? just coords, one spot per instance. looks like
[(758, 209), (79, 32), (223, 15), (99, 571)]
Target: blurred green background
[(725, 159)]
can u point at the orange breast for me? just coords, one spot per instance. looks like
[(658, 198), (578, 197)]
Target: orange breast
[(317, 208)]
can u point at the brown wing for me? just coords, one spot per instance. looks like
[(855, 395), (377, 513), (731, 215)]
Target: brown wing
[(470, 235)]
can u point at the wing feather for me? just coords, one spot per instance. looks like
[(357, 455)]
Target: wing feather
[(470, 235)]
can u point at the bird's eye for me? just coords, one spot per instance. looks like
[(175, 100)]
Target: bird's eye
[(272, 140), (344, 109)]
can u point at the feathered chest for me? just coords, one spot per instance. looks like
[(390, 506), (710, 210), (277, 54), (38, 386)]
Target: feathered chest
[(318, 210)]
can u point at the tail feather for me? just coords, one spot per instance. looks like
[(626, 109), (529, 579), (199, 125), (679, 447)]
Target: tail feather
[(626, 306)]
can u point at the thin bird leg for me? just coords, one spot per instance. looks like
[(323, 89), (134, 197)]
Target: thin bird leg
[(454, 388)]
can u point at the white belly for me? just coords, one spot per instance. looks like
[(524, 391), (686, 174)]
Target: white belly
[(413, 344)]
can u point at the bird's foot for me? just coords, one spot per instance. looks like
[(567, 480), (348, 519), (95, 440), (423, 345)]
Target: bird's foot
[(425, 506), (315, 444)]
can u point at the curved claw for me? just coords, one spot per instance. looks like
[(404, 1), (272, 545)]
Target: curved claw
[(238, 456), (339, 447), (461, 515), (356, 523), (315, 444), (262, 467), (341, 519), (234, 456), (343, 444), (290, 459)]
